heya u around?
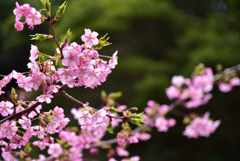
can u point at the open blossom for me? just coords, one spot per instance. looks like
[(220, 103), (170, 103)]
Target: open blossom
[(55, 150), (8, 129), (58, 113), (33, 17), (84, 118), (45, 98), (235, 81), (25, 122), (224, 87), (71, 58), (19, 25), (99, 116), (163, 124), (201, 127), (113, 60), (172, 92), (122, 152), (33, 53), (90, 38), (6, 108), (178, 80), (134, 158)]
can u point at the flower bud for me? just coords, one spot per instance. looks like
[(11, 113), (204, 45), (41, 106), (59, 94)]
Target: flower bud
[(31, 27)]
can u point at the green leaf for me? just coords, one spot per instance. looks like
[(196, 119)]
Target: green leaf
[(28, 148), (41, 37), (103, 94), (60, 11), (115, 95), (110, 128)]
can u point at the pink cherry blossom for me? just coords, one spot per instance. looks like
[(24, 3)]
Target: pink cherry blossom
[(122, 152), (55, 150), (201, 127), (25, 122), (143, 136), (99, 116), (234, 81), (8, 129), (45, 98), (19, 25), (133, 139), (172, 92), (25, 9), (7, 156), (113, 60), (90, 38), (17, 12), (58, 113), (134, 158), (178, 80), (85, 118), (33, 17), (33, 53), (6, 108), (224, 87), (71, 58)]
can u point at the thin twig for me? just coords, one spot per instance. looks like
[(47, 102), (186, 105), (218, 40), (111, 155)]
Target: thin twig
[(31, 108)]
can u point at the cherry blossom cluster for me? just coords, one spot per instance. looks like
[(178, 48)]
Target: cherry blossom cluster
[(161, 123), (32, 16), (227, 87), (195, 91), (15, 135), (84, 67), (201, 126)]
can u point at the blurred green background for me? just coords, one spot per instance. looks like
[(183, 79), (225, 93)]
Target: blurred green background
[(155, 39)]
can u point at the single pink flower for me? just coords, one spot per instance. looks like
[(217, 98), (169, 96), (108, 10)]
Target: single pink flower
[(178, 81), (6, 108), (90, 38), (33, 17), (55, 150), (19, 25), (45, 98)]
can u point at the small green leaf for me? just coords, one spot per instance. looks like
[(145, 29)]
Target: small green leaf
[(114, 110), (60, 11), (103, 95), (28, 148), (110, 128), (115, 95), (41, 37)]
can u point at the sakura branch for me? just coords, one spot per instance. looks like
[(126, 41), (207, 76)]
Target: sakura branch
[(74, 65)]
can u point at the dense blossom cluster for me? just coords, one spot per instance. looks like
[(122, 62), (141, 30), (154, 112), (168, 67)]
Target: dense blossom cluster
[(195, 91), (32, 17), (201, 127)]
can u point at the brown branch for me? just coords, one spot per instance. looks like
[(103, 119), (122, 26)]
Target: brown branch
[(72, 98), (55, 38), (138, 129), (227, 71), (31, 108), (68, 96)]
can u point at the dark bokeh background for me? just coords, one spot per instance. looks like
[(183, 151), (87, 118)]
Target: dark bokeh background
[(156, 39)]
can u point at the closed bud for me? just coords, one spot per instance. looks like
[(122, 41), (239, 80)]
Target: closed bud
[(60, 11), (134, 108), (30, 28)]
